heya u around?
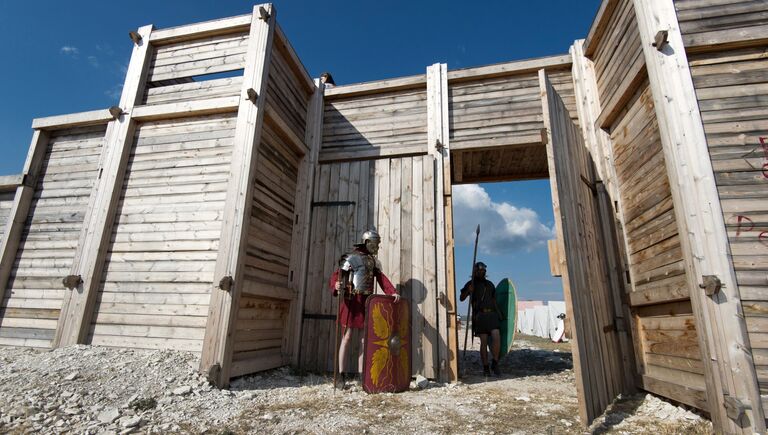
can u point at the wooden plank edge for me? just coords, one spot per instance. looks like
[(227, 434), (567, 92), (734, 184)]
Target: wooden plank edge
[(222, 26), (503, 178), (375, 87), (9, 183), (680, 393), (599, 26), (186, 108), (612, 108), (659, 295), (515, 142), (93, 117), (262, 290), (510, 68), (294, 60), (370, 154), (706, 42)]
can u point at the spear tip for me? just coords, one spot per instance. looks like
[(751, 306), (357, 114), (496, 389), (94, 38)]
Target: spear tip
[(478, 229)]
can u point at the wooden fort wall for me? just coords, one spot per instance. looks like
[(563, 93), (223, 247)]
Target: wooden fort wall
[(726, 44), (48, 233), (636, 118), (207, 215)]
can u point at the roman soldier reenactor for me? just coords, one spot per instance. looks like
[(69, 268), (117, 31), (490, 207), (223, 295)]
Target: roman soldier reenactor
[(355, 281)]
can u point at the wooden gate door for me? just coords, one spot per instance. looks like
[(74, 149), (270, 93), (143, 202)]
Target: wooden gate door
[(599, 350)]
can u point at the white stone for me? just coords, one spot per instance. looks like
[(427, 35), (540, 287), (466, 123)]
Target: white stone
[(108, 415), (186, 389), (131, 422), (71, 377), (422, 382), (523, 399)]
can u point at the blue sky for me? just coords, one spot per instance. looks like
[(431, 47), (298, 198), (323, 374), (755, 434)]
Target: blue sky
[(64, 57)]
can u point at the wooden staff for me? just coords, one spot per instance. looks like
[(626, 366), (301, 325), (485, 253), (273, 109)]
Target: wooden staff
[(338, 320), (471, 283)]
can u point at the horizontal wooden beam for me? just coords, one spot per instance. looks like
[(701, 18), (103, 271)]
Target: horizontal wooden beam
[(251, 288), (680, 393), (490, 144), (94, 117), (375, 87), (186, 108), (298, 67), (728, 39), (276, 121), (510, 68), (659, 295), (371, 152), (201, 30), (599, 25), (502, 178), (613, 107), (9, 183)]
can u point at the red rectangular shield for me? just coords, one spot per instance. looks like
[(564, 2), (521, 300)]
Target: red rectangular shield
[(387, 356)]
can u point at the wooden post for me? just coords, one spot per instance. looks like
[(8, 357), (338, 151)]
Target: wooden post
[(314, 139), (22, 200), (75, 317), (729, 369), (216, 358), (439, 148)]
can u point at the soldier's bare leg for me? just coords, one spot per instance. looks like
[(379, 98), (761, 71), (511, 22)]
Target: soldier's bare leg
[(346, 341), (495, 344), (484, 349), (360, 355)]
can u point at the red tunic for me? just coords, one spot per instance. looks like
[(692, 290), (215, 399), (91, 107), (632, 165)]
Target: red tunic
[(352, 309)]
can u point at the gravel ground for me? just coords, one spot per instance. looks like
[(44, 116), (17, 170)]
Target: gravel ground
[(84, 389)]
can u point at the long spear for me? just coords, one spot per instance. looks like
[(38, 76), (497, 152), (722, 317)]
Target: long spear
[(472, 283)]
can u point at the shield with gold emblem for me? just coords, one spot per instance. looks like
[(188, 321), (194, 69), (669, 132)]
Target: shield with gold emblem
[(387, 365)]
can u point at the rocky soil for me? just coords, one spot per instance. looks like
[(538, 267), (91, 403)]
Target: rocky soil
[(84, 389)]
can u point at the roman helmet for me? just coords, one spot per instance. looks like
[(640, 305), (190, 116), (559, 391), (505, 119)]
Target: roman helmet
[(371, 235)]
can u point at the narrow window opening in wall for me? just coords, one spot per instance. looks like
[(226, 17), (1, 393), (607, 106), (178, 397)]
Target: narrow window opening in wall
[(197, 78)]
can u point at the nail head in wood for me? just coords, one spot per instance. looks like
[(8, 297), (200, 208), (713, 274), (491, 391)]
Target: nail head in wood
[(72, 281), (135, 37), (711, 285), (115, 111), (439, 145), (226, 283), (252, 95), (660, 40), (263, 14)]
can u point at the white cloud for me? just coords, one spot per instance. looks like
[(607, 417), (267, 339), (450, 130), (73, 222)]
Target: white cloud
[(69, 50), (93, 61), (503, 226)]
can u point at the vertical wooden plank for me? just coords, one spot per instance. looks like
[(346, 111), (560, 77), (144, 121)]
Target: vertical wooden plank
[(383, 208), (430, 336), (416, 264), (729, 367), (330, 262), (439, 147), (305, 187), (216, 355), (393, 235), (22, 200), (77, 310)]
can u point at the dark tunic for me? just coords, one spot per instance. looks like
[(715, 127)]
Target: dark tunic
[(485, 313)]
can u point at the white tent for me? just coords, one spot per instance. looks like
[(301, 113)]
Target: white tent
[(541, 321)]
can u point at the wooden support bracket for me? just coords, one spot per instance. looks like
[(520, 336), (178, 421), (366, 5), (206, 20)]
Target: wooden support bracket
[(226, 283), (263, 14), (711, 285), (72, 281), (661, 39), (252, 95), (135, 37), (115, 111)]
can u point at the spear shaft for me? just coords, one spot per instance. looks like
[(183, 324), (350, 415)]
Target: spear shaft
[(472, 283)]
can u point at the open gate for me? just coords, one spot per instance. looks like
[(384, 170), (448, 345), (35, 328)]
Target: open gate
[(602, 352)]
